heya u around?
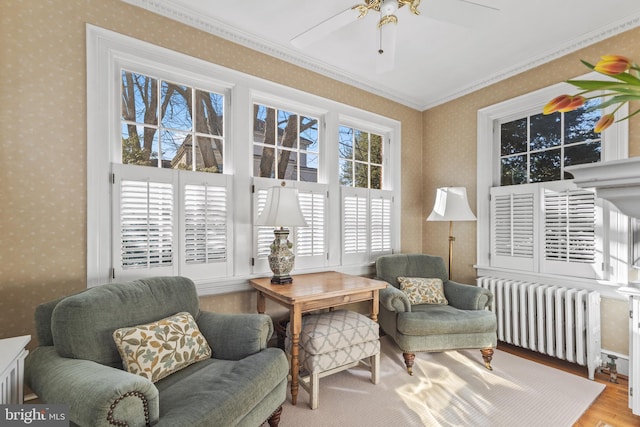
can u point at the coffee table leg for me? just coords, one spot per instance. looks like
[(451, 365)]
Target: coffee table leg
[(375, 304), (296, 326)]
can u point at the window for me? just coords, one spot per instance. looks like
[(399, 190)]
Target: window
[(184, 142), (170, 195), (536, 148), (366, 207), (286, 145), (533, 219), (171, 125), (360, 158), (172, 211)]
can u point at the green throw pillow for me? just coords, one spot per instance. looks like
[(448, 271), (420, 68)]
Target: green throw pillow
[(421, 290), (158, 349)]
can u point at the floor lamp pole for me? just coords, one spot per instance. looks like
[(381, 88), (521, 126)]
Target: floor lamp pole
[(451, 239)]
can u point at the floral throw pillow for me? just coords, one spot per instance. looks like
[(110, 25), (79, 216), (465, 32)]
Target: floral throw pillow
[(158, 349), (421, 290)]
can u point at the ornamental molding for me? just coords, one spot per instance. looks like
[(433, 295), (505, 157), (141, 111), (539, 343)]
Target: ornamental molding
[(169, 9), (617, 181)]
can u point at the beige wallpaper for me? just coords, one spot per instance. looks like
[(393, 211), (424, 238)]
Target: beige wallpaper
[(449, 153), (43, 161)]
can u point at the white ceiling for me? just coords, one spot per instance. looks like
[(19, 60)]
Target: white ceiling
[(436, 60)]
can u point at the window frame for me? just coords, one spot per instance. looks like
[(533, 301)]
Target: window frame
[(108, 52), (615, 225)]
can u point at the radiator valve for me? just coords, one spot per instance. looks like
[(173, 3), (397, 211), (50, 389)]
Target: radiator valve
[(613, 371)]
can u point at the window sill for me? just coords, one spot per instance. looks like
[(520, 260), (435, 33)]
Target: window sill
[(607, 289)]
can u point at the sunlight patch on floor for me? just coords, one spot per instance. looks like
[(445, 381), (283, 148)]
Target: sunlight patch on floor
[(436, 389)]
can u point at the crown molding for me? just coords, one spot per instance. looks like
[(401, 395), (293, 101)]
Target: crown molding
[(171, 10)]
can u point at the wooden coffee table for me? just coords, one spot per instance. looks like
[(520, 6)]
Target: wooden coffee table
[(315, 291)]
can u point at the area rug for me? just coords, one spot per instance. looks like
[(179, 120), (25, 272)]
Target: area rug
[(447, 389)]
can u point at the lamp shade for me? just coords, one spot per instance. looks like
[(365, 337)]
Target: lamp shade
[(451, 205), (282, 209)]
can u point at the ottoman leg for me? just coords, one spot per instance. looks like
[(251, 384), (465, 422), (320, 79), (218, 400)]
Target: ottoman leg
[(375, 368), (314, 390)]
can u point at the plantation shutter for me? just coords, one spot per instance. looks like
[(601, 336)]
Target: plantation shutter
[(556, 217), (262, 236), (205, 232), (570, 223), (172, 222), (310, 246), (380, 222), (144, 237), (355, 225), (513, 243), (309, 243)]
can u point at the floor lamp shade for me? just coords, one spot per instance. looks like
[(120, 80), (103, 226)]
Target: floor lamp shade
[(451, 205), (282, 209)]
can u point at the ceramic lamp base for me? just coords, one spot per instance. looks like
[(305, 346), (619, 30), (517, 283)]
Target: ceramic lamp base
[(281, 259)]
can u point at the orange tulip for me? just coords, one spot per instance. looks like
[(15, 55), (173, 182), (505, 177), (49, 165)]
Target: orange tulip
[(557, 103), (604, 122), (613, 64), (576, 102)]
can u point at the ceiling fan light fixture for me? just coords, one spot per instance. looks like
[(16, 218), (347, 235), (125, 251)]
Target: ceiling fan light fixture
[(388, 7)]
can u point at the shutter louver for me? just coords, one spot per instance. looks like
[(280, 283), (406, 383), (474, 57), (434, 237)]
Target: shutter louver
[(146, 224), (380, 224), (570, 226), (205, 224), (355, 224), (310, 239)]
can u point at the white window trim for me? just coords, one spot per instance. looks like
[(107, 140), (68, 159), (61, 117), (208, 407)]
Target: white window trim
[(615, 146), (107, 51)]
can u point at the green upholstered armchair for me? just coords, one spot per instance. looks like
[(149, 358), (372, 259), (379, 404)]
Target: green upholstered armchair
[(463, 323), (242, 382)]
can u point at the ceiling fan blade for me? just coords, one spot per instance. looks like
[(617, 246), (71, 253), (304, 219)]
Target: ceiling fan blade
[(385, 60), (325, 28), (467, 13), (491, 4)]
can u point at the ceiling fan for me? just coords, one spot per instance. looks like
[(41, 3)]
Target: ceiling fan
[(446, 10)]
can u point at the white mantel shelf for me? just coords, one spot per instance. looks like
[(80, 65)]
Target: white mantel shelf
[(632, 289), (617, 181)]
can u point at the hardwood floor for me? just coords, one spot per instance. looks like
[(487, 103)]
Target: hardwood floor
[(610, 407)]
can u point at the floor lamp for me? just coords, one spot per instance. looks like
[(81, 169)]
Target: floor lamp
[(451, 205)]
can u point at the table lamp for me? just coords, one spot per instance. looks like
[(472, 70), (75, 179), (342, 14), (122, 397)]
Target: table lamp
[(451, 205), (282, 209)]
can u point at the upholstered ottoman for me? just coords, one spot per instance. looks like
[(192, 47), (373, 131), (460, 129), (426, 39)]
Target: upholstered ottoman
[(334, 341)]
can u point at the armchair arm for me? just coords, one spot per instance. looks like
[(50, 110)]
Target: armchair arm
[(393, 299), (235, 336), (467, 297), (97, 395)]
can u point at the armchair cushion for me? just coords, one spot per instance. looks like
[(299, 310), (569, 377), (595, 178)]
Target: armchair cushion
[(422, 290), (160, 348), (429, 319)]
